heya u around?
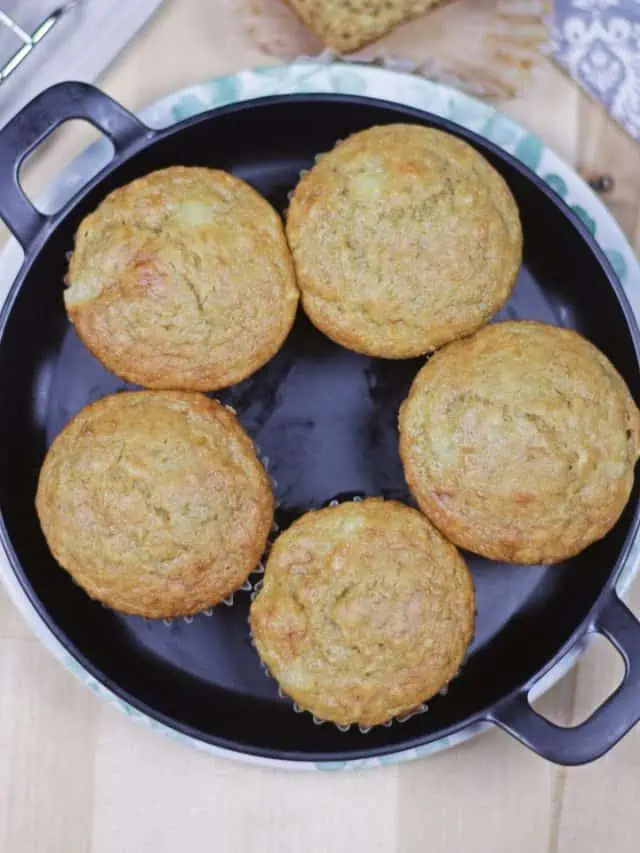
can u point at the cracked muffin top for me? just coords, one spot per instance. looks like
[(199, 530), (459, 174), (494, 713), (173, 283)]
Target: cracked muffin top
[(182, 279), (404, 238), (366, 611), (155, 502), (520, 442)]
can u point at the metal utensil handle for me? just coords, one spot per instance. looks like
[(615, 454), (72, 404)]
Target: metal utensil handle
[(34, 123), (610, 722), (29, 40)]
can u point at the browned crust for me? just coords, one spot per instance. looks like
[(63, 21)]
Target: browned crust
[(366, 612), (322, 27), (182, 279), (155, 502), (404, 238), (520, 442)]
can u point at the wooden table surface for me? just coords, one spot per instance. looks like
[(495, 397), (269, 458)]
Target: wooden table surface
[(76, 776)]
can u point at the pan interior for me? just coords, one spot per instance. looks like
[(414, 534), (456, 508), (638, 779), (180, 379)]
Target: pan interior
[(325, 419)]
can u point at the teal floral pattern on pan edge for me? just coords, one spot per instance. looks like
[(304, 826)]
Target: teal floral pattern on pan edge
[(340, 78)]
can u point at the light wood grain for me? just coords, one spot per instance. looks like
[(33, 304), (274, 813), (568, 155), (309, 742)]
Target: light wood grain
[(238, 808), (50, 755), (78, 777)]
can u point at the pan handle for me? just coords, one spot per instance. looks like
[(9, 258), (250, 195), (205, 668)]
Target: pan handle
[(33, 124), (610, 722)]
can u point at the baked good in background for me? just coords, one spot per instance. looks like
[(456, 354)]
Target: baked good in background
[(155, 502), (182, 279), (404, 238), (346, 26), (366, 611), (520, 442)]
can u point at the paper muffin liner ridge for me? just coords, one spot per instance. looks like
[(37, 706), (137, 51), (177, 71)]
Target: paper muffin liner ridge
[(248, 585), (423, 708)]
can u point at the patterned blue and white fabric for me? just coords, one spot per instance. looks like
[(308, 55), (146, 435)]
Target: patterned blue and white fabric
[(598, 42)]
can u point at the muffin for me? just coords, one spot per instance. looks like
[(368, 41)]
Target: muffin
[(182, 279), (348, 26), (519, 443), (155, 502), (404, 238), (365, 612)]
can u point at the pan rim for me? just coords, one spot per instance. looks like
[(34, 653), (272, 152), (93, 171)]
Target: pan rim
[(364, 756)]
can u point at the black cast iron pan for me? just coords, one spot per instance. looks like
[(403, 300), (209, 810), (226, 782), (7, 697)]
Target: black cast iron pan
[(326, 419)]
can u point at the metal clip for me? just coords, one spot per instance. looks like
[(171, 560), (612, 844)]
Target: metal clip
[(30, 40)]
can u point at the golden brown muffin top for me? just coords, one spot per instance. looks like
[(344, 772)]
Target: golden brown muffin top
[(365, 612), (155, 502), (182, 279), (520, 442), (404, 238), (348, 26)]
